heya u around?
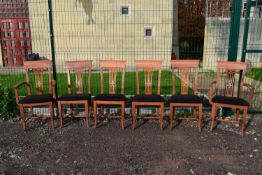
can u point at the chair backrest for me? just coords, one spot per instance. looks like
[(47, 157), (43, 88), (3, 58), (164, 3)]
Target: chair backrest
[(148, 66), (228, 77), (113, 67), (184, 68), (79, 68), (38, 68)]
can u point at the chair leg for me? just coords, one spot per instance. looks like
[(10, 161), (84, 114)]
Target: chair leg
[(162, 116), (194, 112), (244, 121), (22, 114), (87, 114), (213, 116), (51, 114), (95, 113), (123, 116), (200, 118), (171, 116), (237, 114), (60, 114), (134, 115)]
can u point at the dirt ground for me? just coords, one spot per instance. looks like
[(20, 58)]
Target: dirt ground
[(74, 149)]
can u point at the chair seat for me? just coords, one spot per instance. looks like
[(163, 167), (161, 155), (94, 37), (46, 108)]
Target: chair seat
[(230, 100), (110, 97), (75, 97), (148, 98), (36, 99), (185, 99)]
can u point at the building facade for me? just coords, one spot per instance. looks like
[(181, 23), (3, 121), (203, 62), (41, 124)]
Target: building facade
[(103, 29)]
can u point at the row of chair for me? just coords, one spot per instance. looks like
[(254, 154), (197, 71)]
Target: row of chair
[(180, 69)]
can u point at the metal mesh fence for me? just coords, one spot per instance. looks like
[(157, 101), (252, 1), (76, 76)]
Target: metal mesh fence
[(136, 30)]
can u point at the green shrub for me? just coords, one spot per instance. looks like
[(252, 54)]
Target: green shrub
[(8, 108)]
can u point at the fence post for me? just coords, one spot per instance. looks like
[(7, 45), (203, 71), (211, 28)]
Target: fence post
[(234, 30), (245, 37), (52, 40)]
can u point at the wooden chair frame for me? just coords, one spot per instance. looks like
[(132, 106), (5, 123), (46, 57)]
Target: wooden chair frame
[(38, 67), (113, 67), (230, 68), (185, 66), (79, 68), (148, 66)]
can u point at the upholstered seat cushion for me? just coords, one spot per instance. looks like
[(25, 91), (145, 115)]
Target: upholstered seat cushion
[(110, 97), (148, 98), (75, 97), (185, 99), (36, 99), (230, 100)]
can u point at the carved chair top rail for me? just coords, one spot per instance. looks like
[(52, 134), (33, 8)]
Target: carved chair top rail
[(79, 64), (231, 65), (147, 64), (107, 64), (185, 63), (46, 64)]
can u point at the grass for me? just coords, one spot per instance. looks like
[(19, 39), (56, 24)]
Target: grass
[(255, 73), (130, 83)]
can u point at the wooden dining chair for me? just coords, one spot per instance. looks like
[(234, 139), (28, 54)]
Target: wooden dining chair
[(227, 92), (148, 99), (79, 68), (40, 98), (183, 69), (112, 98)]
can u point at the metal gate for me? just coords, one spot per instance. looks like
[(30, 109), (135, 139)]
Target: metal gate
[(252, 46)]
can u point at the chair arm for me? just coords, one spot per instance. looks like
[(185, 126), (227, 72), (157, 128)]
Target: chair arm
[(211, 92), (17, 86), (53, 88), (251, 90)]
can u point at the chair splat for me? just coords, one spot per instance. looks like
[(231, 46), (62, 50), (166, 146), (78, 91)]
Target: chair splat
[(230, 82), (112, 80)]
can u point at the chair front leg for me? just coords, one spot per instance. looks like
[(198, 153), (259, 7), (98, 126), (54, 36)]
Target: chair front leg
[(22, 114), (194, 112), (200, 117), (95, 113), (171, 116), (60, 113), (162, 116), (237, 114), (123, 115), (213, 116), (134, 115), (51, 114), (87, 114), (244, 120)]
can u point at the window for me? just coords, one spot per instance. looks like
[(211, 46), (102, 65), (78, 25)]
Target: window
[(148, 32), (125, 10)]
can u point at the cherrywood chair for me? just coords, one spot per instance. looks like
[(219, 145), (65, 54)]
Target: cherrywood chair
[(111, 98), (148, 99), (183, 69), (228, 91), (39, 99), (78, 68)]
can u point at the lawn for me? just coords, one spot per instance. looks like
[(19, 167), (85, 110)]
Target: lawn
[(255, 73), (130, 83)]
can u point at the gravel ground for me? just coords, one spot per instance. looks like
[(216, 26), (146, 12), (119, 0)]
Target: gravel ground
[(74, 149)]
